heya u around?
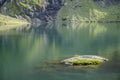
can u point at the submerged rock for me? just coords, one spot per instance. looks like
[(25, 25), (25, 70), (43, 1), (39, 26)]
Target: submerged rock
[(84, 60)]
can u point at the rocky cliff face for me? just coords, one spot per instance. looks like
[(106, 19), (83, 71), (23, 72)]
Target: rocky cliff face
[(47, 10), (106, 3), (32, 10)]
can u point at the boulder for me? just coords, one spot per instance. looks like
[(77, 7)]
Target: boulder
[(84, 60)]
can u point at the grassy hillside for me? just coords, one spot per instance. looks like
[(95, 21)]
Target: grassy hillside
[(7, 23), (88, 10), (9, 20)]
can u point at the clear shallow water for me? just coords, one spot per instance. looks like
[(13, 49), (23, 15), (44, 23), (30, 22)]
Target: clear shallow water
[(32, 53)]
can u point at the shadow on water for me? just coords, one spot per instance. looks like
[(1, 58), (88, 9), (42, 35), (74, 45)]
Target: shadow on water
[(113, 66)]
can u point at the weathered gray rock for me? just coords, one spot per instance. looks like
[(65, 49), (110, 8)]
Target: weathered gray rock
[(105, 3), (46, 12), (84, 60)]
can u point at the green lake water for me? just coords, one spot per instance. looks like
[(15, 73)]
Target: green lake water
[(34, 53)]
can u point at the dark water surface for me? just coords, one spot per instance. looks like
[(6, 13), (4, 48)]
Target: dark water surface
[(32, 53)]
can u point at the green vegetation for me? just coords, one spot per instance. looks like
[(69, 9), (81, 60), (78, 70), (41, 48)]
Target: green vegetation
[(85, 61), (88, 10), (9, 20), (28, 3), (20, 7)]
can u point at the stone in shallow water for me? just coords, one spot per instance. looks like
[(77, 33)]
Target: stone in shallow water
[(84, 60)]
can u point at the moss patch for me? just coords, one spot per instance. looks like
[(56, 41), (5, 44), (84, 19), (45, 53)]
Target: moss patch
[(84, 61)]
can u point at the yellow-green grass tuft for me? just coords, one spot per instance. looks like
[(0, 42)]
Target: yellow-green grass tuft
[(10, 20), (85, 61)]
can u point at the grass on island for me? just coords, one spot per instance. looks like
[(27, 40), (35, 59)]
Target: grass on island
[(85, 61)]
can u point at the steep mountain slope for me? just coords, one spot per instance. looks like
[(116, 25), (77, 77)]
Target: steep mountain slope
[(44, 10), (63, 10), (90, 10)]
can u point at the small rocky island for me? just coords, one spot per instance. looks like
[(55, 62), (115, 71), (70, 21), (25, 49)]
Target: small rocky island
[(84, 60)]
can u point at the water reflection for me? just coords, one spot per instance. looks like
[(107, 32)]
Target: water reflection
[(113, 65), (23, 50)]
